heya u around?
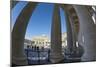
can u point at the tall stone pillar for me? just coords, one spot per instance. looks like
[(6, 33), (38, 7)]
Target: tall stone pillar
[(70, 27), (74, 34), (69, 33), (18, 34), (75, 46), (87, 33), (56, 42)]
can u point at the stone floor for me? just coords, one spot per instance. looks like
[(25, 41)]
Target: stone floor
[(41, 62), (42, 57)]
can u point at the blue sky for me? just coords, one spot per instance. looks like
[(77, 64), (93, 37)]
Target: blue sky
[(41, 19)]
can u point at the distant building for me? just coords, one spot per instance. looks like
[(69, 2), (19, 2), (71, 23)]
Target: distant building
[(43, 41), (64, 39), (27, 43)]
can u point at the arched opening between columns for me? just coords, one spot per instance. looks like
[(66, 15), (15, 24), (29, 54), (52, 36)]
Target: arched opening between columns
[(41, 20)]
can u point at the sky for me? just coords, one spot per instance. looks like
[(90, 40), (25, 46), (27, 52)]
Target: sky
[(41, 19)]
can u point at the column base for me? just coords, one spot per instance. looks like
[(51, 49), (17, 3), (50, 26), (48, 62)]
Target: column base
[(56, 58), (19, 61)]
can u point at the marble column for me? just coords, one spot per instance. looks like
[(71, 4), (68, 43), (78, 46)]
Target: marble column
[(18, 34), (74, 33), (87, 33), (56, 42), (69, 33)]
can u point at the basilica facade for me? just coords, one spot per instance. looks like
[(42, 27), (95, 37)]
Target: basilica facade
[(43, 41)]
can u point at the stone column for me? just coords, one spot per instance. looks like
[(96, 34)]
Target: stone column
[(75, 45), (56, 43), (18, 34), (74, 34), (70, 27), (87, 33), (69, 33)]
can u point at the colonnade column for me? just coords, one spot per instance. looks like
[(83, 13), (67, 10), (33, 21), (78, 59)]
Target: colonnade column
[(69, 33), (73, 34), (56, 42), (18, 34), (87, 33)]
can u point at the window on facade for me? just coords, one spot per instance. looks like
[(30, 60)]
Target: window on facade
[(33, 42)]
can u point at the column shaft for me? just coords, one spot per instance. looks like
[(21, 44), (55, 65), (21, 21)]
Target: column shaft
[(18, 34), (74, 33), (69, 33), (56, 42)]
